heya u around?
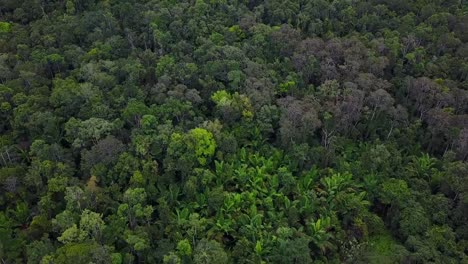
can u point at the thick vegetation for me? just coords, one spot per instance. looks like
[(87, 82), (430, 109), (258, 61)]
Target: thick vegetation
[(240, 131)]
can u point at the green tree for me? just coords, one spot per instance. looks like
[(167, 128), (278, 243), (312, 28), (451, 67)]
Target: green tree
[(193, 148), (135, 210), (209, 251)]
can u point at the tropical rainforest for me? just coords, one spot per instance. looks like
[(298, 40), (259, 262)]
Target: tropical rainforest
[(233, 131)]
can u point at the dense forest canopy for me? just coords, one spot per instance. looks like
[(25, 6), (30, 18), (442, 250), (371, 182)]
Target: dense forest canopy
[(233, 131)]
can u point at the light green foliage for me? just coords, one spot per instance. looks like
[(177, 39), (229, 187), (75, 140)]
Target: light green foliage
[(236, 101), (203, 143), (287, 86), (137, 179), (5, 27), (72, 235), (319, 233), (148, 122), (237, 31), (221, 98), (57, 184), (91, 223), (184, 248), (198, 145)]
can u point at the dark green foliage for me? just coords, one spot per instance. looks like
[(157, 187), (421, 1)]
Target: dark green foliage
[(214, 131)]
